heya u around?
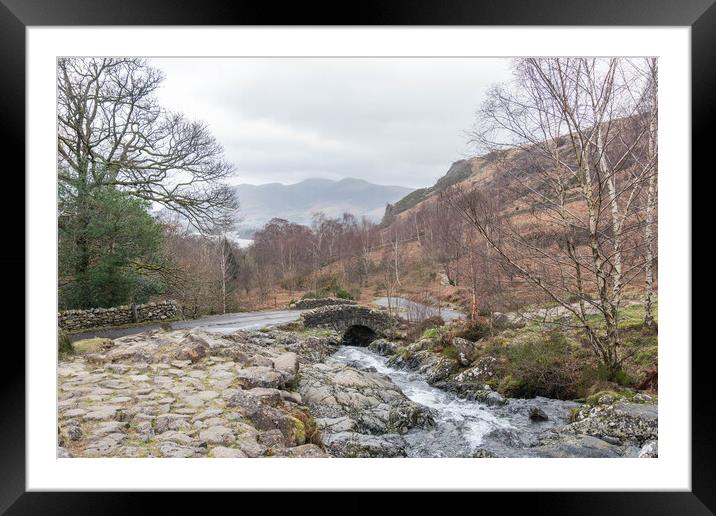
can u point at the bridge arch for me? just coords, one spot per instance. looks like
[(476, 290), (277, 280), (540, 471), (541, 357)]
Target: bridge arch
[(359, 325)]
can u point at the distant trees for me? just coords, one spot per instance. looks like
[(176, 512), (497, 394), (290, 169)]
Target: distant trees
[(118, 147)]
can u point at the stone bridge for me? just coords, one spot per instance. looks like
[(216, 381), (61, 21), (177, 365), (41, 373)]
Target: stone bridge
[(358, 324)]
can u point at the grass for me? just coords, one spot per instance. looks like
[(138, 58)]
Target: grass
[(431, 333), (93, 345), (450, 352)]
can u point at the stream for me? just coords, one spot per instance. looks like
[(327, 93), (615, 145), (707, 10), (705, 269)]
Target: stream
[(463, 426)]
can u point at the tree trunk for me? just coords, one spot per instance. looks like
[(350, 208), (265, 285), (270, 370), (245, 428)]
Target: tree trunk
[(651, 204)]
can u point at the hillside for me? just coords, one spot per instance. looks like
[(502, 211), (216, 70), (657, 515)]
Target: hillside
[(459, 171), (297, 202)]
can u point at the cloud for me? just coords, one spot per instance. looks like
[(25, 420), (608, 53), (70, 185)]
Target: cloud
[(386, 120)]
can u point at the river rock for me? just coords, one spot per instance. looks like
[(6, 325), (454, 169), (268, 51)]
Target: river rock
[(580, 446), (650, 450), (354, 444), (383, 347), (305, 451), (537, 414), (623, 421), (465, 350), (287, 364), (260, 376), (349, 403), (223, 452)]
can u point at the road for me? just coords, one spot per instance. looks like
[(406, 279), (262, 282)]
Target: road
[(226, 323), (406, 305)]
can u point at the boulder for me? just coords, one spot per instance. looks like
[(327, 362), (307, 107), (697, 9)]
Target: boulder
[(383, 347), (436, 367), (537, 414), (465, 350), (260, 376), (579, 446), (650, 450), (305, 451), (355, 410), (622, 420), (287, 365), (353, 444), (222, 452)]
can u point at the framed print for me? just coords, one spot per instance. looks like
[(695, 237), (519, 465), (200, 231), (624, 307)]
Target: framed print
[(427, 251)]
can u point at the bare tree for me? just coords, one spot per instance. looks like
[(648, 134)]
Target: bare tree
[(112, 132), (567, 121)]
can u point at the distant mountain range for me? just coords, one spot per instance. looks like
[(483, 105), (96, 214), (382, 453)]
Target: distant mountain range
[(297, 202)]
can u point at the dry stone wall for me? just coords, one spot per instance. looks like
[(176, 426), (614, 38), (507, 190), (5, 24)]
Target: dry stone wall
[(72, 320), (307, 304)]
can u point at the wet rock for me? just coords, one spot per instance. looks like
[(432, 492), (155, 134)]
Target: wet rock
[(623, 421), (537, 414), (370, 400), (436, 368), (383, 347), (580, 446), (483, 369), (353, 444), (649, 450)]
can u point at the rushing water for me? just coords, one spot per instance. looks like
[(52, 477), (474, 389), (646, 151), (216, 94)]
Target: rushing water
[(462, 426)]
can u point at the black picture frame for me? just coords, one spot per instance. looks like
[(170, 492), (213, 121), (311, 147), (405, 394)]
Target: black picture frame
[(17, 15)]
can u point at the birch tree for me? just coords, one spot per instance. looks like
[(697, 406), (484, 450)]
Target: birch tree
[(565, 122)]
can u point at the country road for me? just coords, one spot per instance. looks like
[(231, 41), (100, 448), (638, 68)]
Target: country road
[(405, 306), (226, 323)]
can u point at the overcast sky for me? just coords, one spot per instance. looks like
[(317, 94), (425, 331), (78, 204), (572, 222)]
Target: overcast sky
[(388, 121)]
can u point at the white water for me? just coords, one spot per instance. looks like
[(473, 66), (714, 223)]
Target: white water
[(462, 426)]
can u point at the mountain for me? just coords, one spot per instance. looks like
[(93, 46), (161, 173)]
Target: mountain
[(459, 171), (297, 202)]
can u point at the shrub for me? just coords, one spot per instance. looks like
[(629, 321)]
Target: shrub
[(430, 333), (419, 328), (548, 367), (64, 346), (449, 352), (342, 293), (474, 331), (330, 290)]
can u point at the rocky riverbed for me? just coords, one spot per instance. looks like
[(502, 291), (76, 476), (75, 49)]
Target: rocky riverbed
[(274, 393)]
